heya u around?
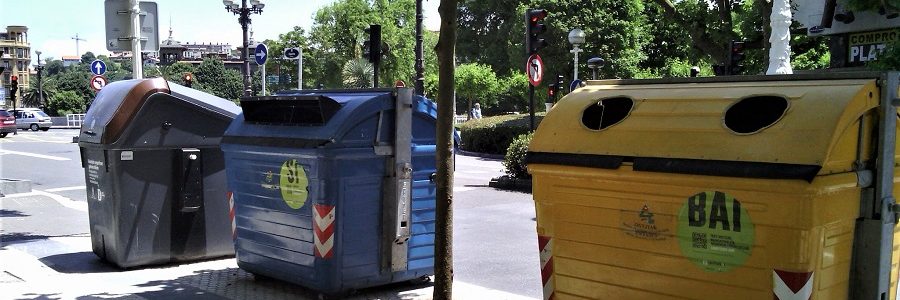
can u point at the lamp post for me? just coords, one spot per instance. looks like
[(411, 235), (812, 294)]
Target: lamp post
[(40, 71), (576, 38), (243, 13), (594, 64)]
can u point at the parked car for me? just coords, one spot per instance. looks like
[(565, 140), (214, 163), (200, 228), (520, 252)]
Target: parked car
[(7, 123), (32, 118)]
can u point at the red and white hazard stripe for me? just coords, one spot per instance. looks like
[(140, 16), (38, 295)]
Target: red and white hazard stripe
[(323, 230), (792, 285), (545, 245), (230, 196)]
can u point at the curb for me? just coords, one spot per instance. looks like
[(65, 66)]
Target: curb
[(482, 155), (14, 186), (511, 184)]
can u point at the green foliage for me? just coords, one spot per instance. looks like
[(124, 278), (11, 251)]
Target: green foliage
[(213, 78), (512, 95), (358, 73), (475, 83), (88, 57), (65, 102), (338, 34), (888, 59), (494, 134), (490, 32), (873, 5), (514, 161)]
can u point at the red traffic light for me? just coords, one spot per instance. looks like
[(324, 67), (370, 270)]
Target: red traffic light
[(14, 78), (535, 15), (188, 77)]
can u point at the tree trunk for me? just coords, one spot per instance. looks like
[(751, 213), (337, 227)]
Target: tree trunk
[(469, 110), (446, 100)]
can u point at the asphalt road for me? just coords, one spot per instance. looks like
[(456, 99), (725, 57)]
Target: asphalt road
[(495, 244)]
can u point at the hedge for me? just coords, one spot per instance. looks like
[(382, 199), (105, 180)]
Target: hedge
[(514, 161), (493, 135)]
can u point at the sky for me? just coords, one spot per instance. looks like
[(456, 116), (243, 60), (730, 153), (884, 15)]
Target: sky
[(52, 24)]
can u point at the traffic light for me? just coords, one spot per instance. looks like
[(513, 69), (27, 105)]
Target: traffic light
[(534, 28), (736, 58), (188, 79), (13, 87), (372, 47)]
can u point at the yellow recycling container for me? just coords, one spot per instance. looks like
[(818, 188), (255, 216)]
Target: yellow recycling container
[(713, 188)]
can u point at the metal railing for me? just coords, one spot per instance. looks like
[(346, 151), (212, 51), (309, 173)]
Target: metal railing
[(74, 120)]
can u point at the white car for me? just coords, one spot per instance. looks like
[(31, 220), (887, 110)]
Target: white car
[(32, 118)]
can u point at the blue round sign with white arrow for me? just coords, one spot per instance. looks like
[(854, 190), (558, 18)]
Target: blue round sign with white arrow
[(261, 54), (98, 67)]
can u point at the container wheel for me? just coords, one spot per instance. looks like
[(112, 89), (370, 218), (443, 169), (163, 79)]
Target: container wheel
[(3, 134), (420, 280)]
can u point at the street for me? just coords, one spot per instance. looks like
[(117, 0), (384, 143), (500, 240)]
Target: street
[(46, 253)]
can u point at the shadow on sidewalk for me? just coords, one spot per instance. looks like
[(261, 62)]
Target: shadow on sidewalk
[(78, 263)]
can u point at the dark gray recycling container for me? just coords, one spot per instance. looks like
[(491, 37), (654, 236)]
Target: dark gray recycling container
[(154, 173)]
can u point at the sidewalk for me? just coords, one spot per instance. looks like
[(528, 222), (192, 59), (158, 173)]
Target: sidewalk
[(69, 270)]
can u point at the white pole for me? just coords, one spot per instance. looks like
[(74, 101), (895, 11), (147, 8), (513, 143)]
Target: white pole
[(300, 70), (780, 51), (576, 50), (136, 64), (263, 80)]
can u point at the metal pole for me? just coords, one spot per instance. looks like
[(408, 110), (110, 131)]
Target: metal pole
[(576, 50), (531, 106), (244, 19), (300, 70), (419, 85), (136, 65), (263, 79), (40, 83)]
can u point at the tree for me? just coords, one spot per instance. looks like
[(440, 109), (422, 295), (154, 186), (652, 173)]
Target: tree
[(512, 93), (491, 33), (358, 73), (338, 34), (215, 79), (54, 67), (65, 102), (88, 57), (443, 235), (476, 82)]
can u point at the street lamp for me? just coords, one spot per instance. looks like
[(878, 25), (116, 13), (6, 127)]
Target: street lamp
[(40, 71), (576, 38), (594, 64), (243, 13)]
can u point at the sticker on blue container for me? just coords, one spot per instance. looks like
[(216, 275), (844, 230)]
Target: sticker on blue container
[(294, 184)]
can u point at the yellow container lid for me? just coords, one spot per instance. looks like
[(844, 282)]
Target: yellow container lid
[(790, 120)]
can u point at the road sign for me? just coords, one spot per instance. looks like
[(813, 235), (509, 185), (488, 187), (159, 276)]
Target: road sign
[(261, 54), (98, 67), (98, 82), (575, 84), (118, 26), (534, 68), (292, 53)]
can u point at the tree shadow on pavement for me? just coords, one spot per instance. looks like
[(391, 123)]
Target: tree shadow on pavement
[(9, 238), (78, 262), (9, 213), (234, 283)]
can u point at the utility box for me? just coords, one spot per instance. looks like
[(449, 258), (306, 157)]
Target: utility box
[(727, 187), (154, 172), (333, 190)]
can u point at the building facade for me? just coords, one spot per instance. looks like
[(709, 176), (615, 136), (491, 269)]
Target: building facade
[(15, 59)]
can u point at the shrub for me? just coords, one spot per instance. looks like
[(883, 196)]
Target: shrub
[(494, 134), (514, 161)]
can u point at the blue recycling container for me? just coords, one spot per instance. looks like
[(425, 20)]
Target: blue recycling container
[(333, 190)]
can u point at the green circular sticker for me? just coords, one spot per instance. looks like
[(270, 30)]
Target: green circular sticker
[(714, 231), (294, 184)]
